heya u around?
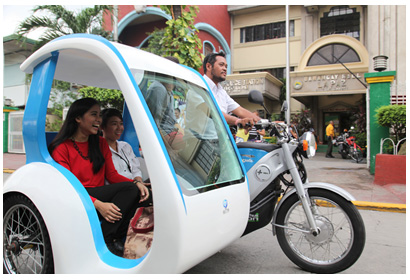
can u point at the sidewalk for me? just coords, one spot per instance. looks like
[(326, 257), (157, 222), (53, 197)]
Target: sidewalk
[(356, 179), (351, 176)]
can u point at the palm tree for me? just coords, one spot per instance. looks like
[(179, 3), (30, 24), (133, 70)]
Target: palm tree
[(63, 22)]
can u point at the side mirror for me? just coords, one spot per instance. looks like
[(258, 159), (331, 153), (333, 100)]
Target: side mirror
[(256, 97)]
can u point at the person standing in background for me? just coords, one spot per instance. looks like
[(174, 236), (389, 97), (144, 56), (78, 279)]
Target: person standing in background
[(330, 134)]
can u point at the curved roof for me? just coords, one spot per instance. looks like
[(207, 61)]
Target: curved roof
[(92, 60)]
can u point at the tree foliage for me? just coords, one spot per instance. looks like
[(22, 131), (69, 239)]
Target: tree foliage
[(59, 22), (179, 38), (393, 117), (61, 97), (106, 97), (302, 120)]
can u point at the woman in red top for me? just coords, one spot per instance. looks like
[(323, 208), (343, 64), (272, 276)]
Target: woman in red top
[(79, 148)]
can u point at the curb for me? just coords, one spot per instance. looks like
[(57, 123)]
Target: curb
[(6, 170), (362, 205), (379, 206)]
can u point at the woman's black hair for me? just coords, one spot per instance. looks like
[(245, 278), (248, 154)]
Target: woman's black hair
[(70, 125), (107, 114)]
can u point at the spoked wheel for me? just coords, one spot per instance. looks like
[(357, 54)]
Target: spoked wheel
[(344, 154), (26, 243), (340, 241), (357, 155)]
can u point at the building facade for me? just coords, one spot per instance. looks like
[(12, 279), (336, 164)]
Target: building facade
[(330, 49), (15, 90)]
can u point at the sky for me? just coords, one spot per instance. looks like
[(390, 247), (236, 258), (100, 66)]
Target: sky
[(14, 14)]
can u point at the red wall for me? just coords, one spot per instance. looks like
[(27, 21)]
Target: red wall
[(390, 169), (215, 15)]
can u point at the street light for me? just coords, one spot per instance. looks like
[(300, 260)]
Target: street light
[(380, 63)]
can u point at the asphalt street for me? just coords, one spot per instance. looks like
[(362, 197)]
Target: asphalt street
[(259, 252)]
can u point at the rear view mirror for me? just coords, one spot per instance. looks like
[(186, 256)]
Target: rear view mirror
[(256, 97)]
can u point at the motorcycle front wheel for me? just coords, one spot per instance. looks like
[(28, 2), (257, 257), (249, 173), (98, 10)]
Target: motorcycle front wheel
[(340, 241)]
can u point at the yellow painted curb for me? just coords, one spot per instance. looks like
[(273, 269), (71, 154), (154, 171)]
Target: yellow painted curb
[(378, 206), (6, 170)]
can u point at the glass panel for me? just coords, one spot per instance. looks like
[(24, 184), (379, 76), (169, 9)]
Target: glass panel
[(259, 32), (201, 152), (327, 54), (249, 34), (341, 20)]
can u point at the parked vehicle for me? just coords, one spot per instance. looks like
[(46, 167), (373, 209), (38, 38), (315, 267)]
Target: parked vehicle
[(348, 147), (201, 191)]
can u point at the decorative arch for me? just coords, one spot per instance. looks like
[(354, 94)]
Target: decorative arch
[(204, 44), (352, 43), (131, 16), (218, 36), (125, 21)]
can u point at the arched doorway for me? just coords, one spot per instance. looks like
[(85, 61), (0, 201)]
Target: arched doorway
[(330, 81)]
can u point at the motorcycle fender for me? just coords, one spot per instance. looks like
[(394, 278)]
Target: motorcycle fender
[(318, 185)]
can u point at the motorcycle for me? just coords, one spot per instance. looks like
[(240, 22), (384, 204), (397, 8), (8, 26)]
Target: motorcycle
[(316, 224), (348, 146)]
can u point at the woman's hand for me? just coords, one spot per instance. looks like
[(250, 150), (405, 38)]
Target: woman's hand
[(110, 212), (144, 193)]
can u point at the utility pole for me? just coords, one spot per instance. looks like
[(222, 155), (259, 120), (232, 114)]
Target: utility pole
[(115, 27), (287, 113)]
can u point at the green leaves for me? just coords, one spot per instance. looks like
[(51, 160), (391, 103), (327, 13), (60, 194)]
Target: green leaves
[(393, 117), (179, 38), (59, 21), (106, 97)]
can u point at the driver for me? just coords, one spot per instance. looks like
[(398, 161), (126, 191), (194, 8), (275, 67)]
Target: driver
[(215, 68)]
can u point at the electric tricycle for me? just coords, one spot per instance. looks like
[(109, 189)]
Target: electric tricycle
[(206, 192)]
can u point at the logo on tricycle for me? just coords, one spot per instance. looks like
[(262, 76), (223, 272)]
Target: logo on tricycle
[(254, 217), (225, 205)]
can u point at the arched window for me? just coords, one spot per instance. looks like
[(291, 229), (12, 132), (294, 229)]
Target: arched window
[(333, 54), (341, 20), (208, 48)]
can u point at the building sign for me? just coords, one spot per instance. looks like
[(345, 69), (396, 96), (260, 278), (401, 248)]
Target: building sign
[(328, 82), (243, 85)]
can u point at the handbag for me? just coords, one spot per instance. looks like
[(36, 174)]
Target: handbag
[(140, 233)]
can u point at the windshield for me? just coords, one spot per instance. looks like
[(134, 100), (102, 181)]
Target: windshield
[(194, 135)]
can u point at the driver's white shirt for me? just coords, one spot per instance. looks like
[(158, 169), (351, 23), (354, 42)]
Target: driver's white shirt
[(225, 102)]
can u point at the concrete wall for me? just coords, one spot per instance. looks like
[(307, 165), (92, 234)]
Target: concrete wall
[(386, 35), (265, 54)]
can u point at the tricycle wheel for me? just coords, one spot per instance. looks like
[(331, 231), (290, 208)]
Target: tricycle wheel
[(26, 243), (341, 237)]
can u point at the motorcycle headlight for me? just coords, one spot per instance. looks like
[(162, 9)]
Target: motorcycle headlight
[(309, 144)]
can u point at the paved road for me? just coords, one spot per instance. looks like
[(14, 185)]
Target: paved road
[(385, 250), (259, 252)]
